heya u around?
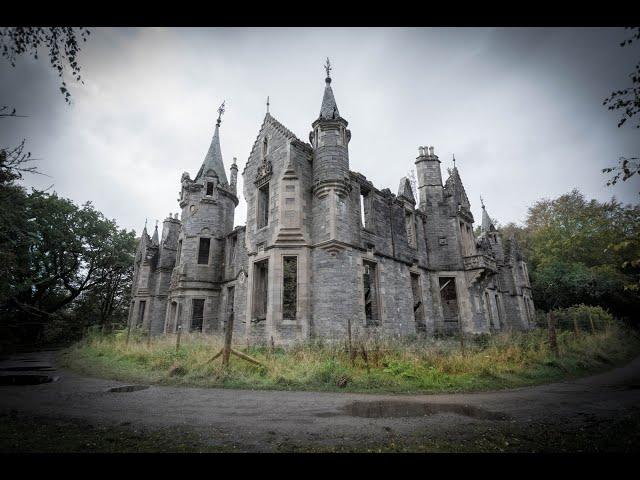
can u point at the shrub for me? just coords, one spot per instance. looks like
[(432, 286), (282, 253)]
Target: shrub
[(584, 317)]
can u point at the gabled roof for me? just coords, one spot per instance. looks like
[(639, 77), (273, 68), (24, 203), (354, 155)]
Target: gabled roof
[(405, 190), (453, 186)]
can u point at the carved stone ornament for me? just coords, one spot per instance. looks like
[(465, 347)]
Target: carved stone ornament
[(264, 171)]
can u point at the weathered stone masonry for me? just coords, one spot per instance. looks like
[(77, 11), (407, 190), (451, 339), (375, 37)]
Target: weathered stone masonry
[(324, 251)]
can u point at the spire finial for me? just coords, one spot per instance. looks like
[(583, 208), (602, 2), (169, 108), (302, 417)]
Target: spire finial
[(327, 67), (481, 202), (145, 223), (267, 104), (220, 112), (156, 224), (454, 160)]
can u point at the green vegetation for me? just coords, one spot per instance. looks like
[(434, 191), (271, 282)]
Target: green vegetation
[(420, 365)]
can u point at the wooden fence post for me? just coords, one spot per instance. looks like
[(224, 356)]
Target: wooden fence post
[(178, 337), (226, 351)]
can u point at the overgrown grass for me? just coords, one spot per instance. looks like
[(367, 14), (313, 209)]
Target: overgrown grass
[(431, 365)]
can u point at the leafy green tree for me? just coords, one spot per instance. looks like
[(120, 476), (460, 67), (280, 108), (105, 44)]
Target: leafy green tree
[(72, 254)]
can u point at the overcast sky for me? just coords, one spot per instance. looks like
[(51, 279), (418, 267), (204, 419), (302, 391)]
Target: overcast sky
[(520, 108)]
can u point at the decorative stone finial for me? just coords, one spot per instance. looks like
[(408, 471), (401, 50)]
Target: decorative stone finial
[(454, 160), (220, 112), (481, 202), (431, 151), (235, 161), (267, 104), (327, 67)]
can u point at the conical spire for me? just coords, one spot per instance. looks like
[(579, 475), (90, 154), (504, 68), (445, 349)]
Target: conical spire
[(329, 108), (154, 239), (487, 223), (213, 159)]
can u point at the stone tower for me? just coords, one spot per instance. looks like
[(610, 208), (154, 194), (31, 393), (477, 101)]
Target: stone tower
[(208, 204)]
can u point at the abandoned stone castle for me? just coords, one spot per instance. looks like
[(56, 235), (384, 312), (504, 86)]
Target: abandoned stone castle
[(324, 251)]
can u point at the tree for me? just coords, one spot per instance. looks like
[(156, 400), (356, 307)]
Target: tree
[(627, 100), (583, 251), (61, 43), (68, 254)]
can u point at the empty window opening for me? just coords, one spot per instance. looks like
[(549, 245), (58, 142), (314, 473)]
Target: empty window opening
[(260, 289), (197, 315), (449, 300), (364, 209), (487, 301), (289, 288), (418, 308), (370, 284), (203, 251), (141, 308), (263, 206), (209, 189)]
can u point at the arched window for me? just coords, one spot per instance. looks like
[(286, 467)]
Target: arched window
[(265, 147)]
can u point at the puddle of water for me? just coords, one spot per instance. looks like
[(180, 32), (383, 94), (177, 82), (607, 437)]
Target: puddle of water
[(27, 369), (26, 379), (398, 408), (128, 388)]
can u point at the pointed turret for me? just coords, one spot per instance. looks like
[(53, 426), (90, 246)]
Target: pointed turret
[(329, 108), (405, 190), (487, 223), (213, 159), (154, 239)]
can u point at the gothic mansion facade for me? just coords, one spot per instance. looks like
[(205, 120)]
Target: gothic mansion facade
[(323, 250)]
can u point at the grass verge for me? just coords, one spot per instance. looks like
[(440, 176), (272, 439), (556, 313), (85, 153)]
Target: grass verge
[(495, 362)]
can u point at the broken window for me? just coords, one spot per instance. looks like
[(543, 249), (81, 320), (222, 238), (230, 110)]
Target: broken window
[(370, 284), (365, 209), (209, 189), (449, 300), (260, 289), (290, 288), (197, 314), (141, 309), (418, 310), (263, 206), (203, 251)]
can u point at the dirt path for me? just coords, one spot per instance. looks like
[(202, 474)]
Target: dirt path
[(282, 420)]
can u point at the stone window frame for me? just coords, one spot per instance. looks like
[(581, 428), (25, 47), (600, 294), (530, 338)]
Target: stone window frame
[(377, 281), (259, 200), (200, 237), (366, 201), (297, 257), (204, 307), (179, 252), (252, 309)]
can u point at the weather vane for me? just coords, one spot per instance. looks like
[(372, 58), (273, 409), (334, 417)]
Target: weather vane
[(220, 112), (327, 67)]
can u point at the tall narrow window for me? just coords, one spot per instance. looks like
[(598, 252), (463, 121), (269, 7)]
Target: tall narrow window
[(141, 309), (418, 310), (265, 147), (179, 252), (499, 309), (290, 288), (263, 206), (362, 219), (209, 189), (370, 284), (449, 301), (197, 315), (260, 289), (487, 301), (203, 251)]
